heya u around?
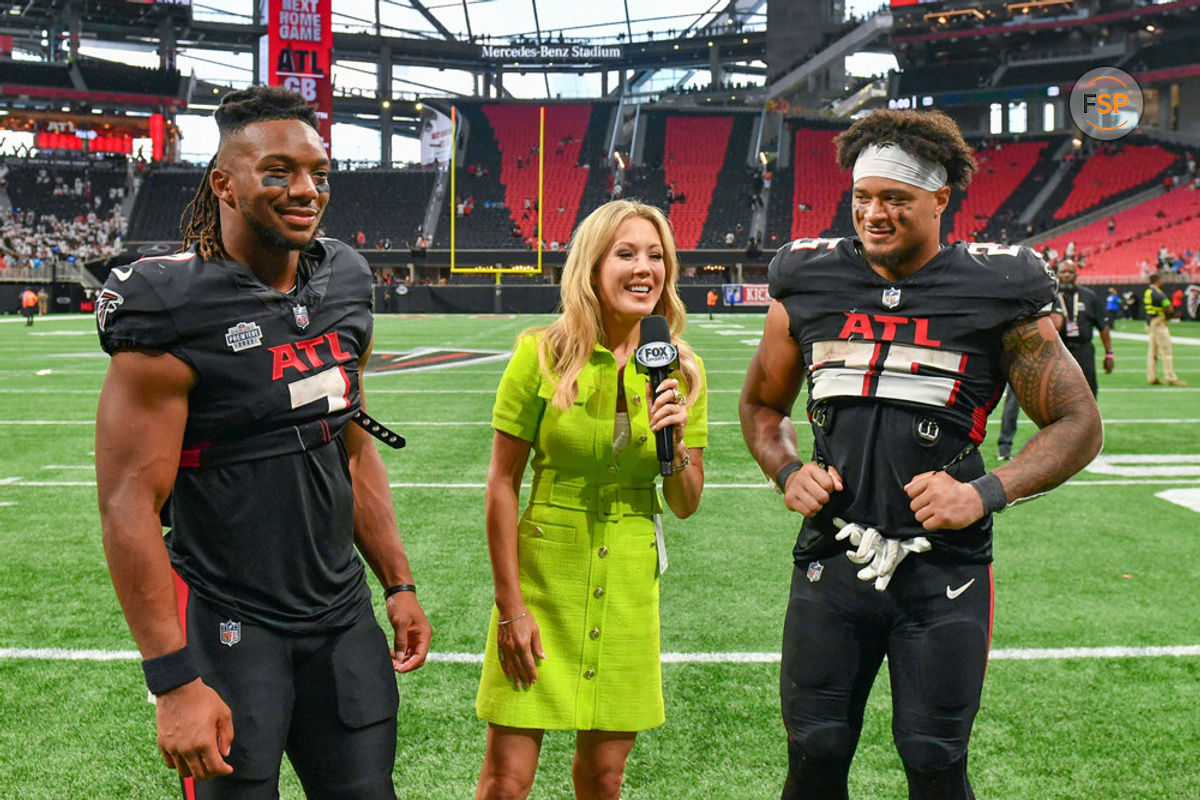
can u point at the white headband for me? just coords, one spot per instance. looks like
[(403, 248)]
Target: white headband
[(889, 161)]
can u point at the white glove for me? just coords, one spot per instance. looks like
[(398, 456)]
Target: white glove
[(884, 554)]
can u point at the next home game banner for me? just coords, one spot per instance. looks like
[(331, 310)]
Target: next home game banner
[(297, 53)]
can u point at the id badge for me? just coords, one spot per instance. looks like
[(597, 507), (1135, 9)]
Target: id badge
[(660, 544), (1071, 327)]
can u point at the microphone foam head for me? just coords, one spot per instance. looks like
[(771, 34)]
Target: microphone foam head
[(655, 329)]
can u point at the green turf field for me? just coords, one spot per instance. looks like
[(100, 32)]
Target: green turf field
[(1103, 562)]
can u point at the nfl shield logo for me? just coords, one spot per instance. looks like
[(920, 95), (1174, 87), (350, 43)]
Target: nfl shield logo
[(814, 571), (891, 297), (231, 633), (301, 314)]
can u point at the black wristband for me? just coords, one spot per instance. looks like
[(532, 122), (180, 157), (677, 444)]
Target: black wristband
[(785, 472), (991, 492), (170, 671), (399, 587)]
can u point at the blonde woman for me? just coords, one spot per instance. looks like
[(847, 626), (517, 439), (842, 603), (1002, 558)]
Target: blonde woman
[(573, 641)]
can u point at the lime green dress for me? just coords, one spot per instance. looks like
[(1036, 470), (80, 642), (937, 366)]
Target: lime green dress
[(586, 551)]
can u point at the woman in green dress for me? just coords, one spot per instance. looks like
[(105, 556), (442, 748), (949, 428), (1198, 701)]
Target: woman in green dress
[(573, 641)]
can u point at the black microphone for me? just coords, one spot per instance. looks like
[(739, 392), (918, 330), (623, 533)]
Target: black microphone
[(656, 357)]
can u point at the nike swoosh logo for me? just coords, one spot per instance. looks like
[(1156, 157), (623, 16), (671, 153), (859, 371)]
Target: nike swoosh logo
[(123, 274), (953, 593)]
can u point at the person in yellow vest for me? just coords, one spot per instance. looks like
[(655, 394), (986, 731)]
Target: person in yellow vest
[(1158, 310), (29, 303)]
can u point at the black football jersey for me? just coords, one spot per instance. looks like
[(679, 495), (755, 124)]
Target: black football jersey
[(901, 375), (262, 507)]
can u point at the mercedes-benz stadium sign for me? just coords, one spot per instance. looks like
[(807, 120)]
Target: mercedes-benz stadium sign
[(551, 52)]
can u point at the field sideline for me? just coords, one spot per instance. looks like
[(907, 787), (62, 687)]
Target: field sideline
[(1091, 693)]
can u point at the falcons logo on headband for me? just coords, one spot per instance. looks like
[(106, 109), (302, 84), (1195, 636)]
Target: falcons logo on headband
[(106, 303)]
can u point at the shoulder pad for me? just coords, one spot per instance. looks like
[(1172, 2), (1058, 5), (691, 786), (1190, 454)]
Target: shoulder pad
[(784, 273), (1018, 270), (134, 309)]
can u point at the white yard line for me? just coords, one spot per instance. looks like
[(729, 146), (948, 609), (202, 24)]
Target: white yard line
[(471, 423), (17, 481), (1019, 654)]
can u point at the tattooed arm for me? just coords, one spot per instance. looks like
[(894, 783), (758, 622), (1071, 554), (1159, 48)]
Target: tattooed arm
[(1052, 390)]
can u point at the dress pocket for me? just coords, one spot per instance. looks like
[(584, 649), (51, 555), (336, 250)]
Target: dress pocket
[(544, 531)]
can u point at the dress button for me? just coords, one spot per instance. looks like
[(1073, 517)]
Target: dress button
[(599, 591), (537, 530), (594, 633), (637, 399), (641, 440), (602, 552), (591, 673)]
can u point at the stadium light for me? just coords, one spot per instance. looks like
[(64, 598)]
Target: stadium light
[(386, 104), (418, 106)]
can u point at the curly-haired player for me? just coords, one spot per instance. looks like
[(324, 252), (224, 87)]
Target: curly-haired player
[(906, 346)]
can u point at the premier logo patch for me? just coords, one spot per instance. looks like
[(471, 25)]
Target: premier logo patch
[(243, 336)]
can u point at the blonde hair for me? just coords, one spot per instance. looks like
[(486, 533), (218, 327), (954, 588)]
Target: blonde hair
[(567, 342)]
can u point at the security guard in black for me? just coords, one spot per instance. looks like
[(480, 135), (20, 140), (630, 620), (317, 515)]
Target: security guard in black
[(1080, 313)]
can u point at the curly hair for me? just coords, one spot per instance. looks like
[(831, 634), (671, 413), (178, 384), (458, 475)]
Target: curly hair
[(201, 221), (927, 134)]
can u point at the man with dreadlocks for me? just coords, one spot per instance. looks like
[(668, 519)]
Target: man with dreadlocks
[(905, 346), (235, 372)]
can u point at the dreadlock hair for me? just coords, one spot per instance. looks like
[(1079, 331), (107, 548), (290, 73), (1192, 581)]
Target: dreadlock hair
[(927, 134), (201, 221)]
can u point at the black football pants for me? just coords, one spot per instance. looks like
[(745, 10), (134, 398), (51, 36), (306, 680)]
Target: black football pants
[(329, 701), (933, 623)]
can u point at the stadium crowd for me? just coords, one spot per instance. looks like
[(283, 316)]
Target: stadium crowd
[(30, 247)]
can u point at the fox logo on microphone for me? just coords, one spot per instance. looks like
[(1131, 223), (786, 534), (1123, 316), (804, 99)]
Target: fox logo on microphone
[(656, 354)]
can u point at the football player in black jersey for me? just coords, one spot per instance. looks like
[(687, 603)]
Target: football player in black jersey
[(235, 372), (905, 347)]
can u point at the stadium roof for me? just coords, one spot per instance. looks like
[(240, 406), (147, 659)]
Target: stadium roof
[(463, 19)]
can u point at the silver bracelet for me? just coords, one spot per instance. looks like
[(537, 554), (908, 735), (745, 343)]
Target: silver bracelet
[(514, 619)]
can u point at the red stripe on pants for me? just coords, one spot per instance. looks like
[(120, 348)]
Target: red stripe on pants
[(188, 785)]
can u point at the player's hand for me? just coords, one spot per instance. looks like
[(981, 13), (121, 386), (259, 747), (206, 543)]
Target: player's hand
[(195, 731), (1108, 363), (413, 631), (519, 645), (809, 488), (941, 501), (668, 407)]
